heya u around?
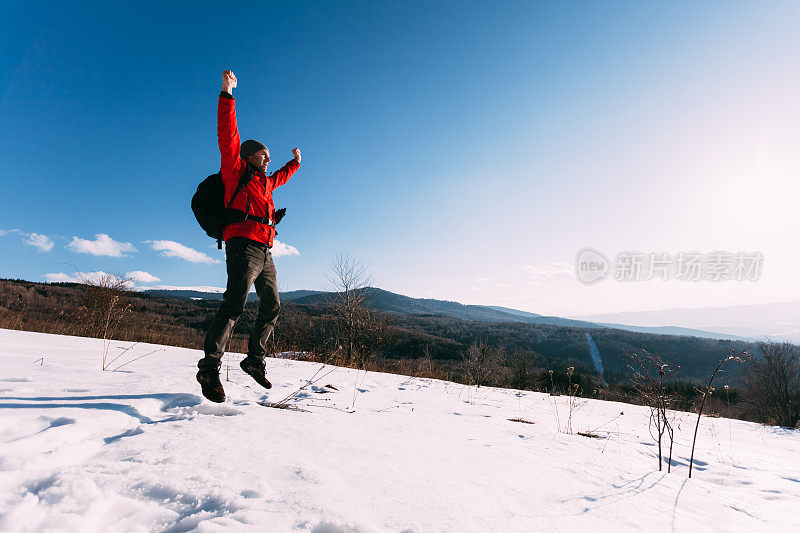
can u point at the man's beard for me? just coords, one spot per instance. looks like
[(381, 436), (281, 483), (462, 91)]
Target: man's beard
[(262, 168)]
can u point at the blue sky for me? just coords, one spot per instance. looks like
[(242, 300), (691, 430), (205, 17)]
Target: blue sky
[(463, 150)]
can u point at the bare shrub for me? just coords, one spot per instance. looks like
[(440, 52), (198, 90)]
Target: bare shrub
[(105, 303), (520, 364), (572, 390), (650, 373), (289, 401), (424, 365), (481, 362), (773, 383)]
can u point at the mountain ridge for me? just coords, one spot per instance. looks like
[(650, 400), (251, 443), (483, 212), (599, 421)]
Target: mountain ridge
[(391, 302)]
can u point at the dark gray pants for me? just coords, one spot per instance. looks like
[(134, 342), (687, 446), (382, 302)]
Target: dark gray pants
[(247, 262)]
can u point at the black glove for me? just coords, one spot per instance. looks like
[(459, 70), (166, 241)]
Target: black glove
[(279, 214)]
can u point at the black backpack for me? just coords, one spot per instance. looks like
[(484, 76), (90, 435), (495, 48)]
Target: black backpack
[(208, 205)]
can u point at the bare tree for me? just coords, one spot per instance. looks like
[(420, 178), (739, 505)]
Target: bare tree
[(362, 329), (650, 373), (773, 383)]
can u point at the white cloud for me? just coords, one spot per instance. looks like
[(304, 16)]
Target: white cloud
[(80, 277), (142, 277), (39, 241), (279, 249), (176, 249), (550, 271), (131, 278), (61, 277), (481, 280), (102, 245)]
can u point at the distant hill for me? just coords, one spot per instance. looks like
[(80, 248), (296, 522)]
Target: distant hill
[(673, 330), (779, 321), (289, 296), (185, 294), (180, 294), (443, 330), (397, 303), (391, 302), (513, 311)]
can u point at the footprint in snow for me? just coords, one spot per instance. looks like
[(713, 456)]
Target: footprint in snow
[(46, 423), (61, 421), (179, 400), (130, 433)]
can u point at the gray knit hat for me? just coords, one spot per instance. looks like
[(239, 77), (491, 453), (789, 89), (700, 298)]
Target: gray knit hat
[(249, 147)]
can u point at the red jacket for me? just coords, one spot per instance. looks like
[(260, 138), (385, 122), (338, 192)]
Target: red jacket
[(256, 197)]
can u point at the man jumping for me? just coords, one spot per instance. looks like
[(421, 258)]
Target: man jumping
[(247, 247)]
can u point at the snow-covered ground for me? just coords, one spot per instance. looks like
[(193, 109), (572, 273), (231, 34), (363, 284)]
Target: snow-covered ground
[(140, 450)]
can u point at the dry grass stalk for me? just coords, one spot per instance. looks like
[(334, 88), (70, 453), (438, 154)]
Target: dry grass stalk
[(716, 375)]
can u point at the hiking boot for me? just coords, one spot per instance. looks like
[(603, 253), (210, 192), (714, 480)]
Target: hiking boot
[(256, 369), (211, 385)]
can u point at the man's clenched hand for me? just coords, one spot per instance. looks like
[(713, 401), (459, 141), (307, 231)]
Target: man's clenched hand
[(228, 81), (296, 153)]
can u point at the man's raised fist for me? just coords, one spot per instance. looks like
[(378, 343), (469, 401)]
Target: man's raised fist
[(228, 81)]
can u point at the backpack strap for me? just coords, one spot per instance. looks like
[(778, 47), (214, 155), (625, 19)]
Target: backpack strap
[(247, 177), (241, 216)]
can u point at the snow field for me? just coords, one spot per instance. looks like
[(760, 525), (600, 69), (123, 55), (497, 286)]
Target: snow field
[(141, 450)]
